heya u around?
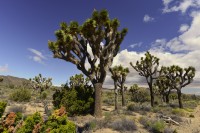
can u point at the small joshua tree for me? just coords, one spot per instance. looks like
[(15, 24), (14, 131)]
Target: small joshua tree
[(98, 33), (119, 77), (115, 76), (164, 87), (179, 78), (134, 89), (148, 68), (40, 84)]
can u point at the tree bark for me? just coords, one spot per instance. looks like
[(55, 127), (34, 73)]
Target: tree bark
[(116, 97), (179, 98), (123, 98), (152, 96), (167, 98), (163, 98), (151, 90), (97, 106)]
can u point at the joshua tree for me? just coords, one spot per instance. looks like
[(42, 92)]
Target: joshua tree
[(97, 41), (134, 89), (115, 76), (179, 78), (119, 76), (40, 84), (148, 67), (164, 89), (122, 78), (77, 80)]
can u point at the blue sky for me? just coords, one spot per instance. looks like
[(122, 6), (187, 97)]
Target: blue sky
[(164, 27)]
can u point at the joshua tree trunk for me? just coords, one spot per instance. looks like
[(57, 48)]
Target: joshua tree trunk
[(123, 98), (116, 97), (97, 108), (167, 96), (151, 92), (179, 98), (152, 96), (167, 99), (163, 98)]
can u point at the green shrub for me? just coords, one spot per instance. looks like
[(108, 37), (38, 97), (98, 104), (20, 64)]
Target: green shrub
[(2, 108), (58, 123), (77, 100), (20, 95), (142, 95), (158, 127), (30, 122), (191, 104), (133, 107), (179, 112)]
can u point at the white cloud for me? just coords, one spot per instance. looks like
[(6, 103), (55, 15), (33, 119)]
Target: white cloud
[(147, 18), (4, 68), (182, 5), (167, 2), (188, 40), (166, 59), (135, 45), (37, 56), (159, 44), (183, 28)]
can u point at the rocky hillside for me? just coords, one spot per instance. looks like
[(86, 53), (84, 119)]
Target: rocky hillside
[(10, 80)]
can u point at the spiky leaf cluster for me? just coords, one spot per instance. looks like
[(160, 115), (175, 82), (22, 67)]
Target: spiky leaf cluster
[(77, 80), (134, 88), (179, 77), (40, 83), (119, 73), (99, 32), (147, 66), (162, 84)]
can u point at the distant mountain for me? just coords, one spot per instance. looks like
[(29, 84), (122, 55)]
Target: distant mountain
[(10, 80)]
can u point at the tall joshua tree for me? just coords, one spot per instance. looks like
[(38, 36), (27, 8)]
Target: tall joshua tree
[(101, 34), (148, 67), (179, 78)]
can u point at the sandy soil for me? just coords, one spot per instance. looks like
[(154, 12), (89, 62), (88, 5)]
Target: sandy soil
[(191, 125)]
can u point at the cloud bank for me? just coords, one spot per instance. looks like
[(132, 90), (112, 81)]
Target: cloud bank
[(182, 50)]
